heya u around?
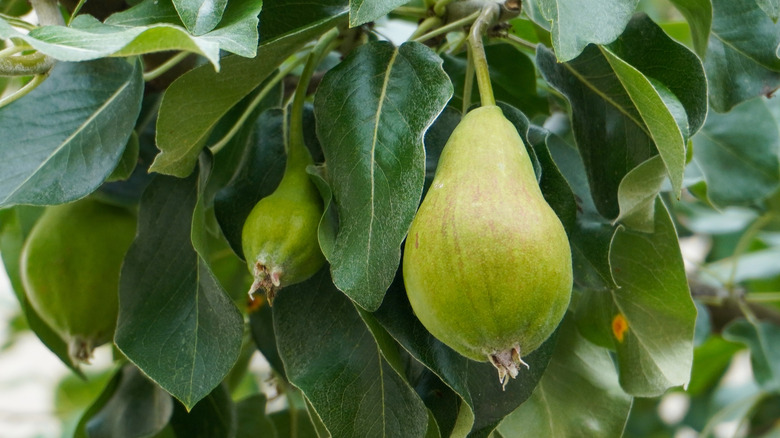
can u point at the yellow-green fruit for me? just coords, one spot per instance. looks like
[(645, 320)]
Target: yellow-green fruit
[(487, 264), (70, 270), (280, 237)]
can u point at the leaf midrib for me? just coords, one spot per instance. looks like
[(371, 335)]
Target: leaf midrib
[(374, 138)]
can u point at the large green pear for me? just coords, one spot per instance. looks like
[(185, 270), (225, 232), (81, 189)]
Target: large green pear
[(487, 264), (280, 237), (70, 267)]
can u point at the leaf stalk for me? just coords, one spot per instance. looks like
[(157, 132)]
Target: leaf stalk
[(18, 94), (165, 66), (449, 27)]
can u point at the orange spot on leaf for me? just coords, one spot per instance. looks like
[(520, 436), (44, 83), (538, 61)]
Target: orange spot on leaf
[(619, 326)]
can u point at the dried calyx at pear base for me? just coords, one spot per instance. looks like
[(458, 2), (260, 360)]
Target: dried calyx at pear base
[(487, 263), (70, 267), (279, 237)]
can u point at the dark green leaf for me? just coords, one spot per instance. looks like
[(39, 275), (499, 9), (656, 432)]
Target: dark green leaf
[(771, 7), (15, 8), (623, 115), (762, 338), (150, 26), (124, 169), (576, 23), (592, 236), (710, 361), (737, 152), (698, 13), (372, 111), (654, 324), (262, 325), (742, 60), (333, 358), (673, 69), (579, 394), (196, 101), (278, 17), (63, 140), (99, 403), (363, 11), (201, 16), (286, 422), (252, 420), (165, 287), (137, 408), (435, 139), (212, 417)]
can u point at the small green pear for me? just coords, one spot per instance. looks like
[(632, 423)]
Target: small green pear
[(487, 264), (280, 238), (70, 267)]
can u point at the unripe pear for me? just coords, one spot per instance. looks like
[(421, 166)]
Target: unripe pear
[(280, 238), (70, 267), (487, 264)]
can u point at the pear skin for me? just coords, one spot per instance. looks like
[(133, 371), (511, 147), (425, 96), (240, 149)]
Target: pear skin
[(487, 263), (70, 267)]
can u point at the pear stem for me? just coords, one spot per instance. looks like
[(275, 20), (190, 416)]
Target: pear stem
[(297, 154), (468, 82), (479, 58)]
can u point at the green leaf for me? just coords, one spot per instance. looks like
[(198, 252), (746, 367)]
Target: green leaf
[(576, 23), (201, 16), (15, 225), (165, 287), (771, 7), (363, 11), (624, 102), (15, 8), (62, 140), (124, 169), (150, 26), (654, 321), (136, 408), (737, 152), (277, 17), (372, 111), (710, 361), (236, 33), (252, 420), (579, 394), (195, 102), (212, 417), (637, 193), (698, 13), (762, 338), (742, 60), (333, 359), (107, 392), (262, 326)]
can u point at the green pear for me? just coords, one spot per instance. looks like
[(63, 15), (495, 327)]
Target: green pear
[(280, 238), (70, 271), (487, 264)]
